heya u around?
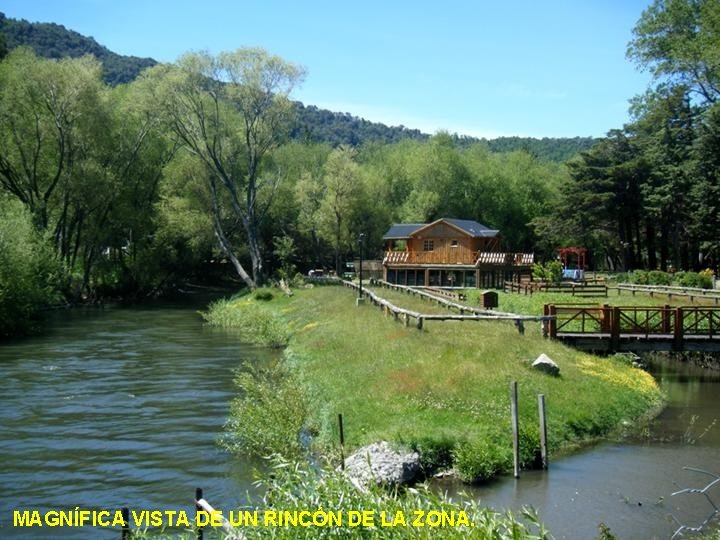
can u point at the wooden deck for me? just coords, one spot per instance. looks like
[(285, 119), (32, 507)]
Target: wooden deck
[(635, 328)]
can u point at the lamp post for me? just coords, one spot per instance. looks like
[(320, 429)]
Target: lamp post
[(361, 239)]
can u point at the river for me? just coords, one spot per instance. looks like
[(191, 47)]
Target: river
[(627, 485), (123, 407), (118, 407)]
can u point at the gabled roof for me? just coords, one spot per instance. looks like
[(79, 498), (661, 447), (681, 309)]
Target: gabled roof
[(402, 230), (471, 228), (475, 229)]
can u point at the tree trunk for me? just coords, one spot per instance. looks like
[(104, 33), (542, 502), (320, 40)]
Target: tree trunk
[(222, 239), (650, 245)]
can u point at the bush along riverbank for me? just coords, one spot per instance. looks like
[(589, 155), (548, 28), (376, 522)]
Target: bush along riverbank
[(442, 391)]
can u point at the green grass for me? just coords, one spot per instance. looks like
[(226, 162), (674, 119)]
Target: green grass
[(445, 389), (414, 513)]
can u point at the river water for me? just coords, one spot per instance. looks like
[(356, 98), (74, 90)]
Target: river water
[(628, 485), (123, 407), (118, 407)]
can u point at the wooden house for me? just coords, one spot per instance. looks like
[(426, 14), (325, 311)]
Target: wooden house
[(450, 253)]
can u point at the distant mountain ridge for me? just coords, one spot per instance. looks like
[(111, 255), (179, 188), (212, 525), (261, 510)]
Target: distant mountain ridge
[(52, 40)]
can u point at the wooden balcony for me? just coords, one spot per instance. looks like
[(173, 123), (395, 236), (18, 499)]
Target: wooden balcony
[(462, 258)]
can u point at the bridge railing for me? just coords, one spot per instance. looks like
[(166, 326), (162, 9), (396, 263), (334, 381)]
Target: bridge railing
[(701, 321), (633, 322)]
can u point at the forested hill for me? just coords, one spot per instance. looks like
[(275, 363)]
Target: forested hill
[(314, 124), (55, 41), (547, 148), (321, 125)]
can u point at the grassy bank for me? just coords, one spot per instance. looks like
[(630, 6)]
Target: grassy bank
[(443, 390)]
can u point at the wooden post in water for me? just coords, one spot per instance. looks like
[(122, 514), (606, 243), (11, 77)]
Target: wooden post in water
[(515, 428), (198, 508), (543, 431), (342, 441), (125, 531)]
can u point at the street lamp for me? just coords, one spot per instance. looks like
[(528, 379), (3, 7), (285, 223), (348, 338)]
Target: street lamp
[(361, 239)]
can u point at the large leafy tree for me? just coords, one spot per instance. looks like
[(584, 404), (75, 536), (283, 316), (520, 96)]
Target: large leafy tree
[(85, 160), (48, 110), (231, 111), (679, 42), (330, 203)]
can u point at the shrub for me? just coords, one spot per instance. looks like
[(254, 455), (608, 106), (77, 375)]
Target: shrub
[(478, 461), (30, 275), (435, 453), (708, 273), (639, 277), (254, 322), (269, 414), (550, 272), (263, 295), (694, 279), (658, 277)]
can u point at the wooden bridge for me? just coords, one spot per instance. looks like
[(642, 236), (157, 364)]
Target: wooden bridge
[(635, 328)]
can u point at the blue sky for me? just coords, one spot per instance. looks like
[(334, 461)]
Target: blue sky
[(481, 68)]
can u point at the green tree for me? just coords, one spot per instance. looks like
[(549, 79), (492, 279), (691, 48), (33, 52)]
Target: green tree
[(704, 195), (341, 189), (600, 204), (46, 114), (679, 42), (30, 275), (231, 111)]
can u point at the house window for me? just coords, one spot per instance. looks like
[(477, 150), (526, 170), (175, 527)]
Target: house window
[(428, 245), (453, 243)]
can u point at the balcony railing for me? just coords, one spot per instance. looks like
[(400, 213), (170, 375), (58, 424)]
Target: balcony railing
[(483, 258)]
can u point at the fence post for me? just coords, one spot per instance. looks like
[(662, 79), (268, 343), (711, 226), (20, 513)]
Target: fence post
[(515, 428), (678, 329), (419, 323), (342, 441), (125, 531), (553, 322), (615, 329), (198, 508), (543, 431), (606, 319), (544, 324), (666, 323)]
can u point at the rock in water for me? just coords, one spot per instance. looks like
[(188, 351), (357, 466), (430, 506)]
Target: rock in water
[(379, 463), (545, 364)]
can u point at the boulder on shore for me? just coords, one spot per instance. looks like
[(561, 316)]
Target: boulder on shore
[(379, 463), (545, 364)]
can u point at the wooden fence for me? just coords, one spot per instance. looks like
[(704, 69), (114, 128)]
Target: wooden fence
[(406, 314), (692, 293), (583, 290)]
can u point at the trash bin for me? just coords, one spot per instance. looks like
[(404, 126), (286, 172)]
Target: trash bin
[(488, 299)]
